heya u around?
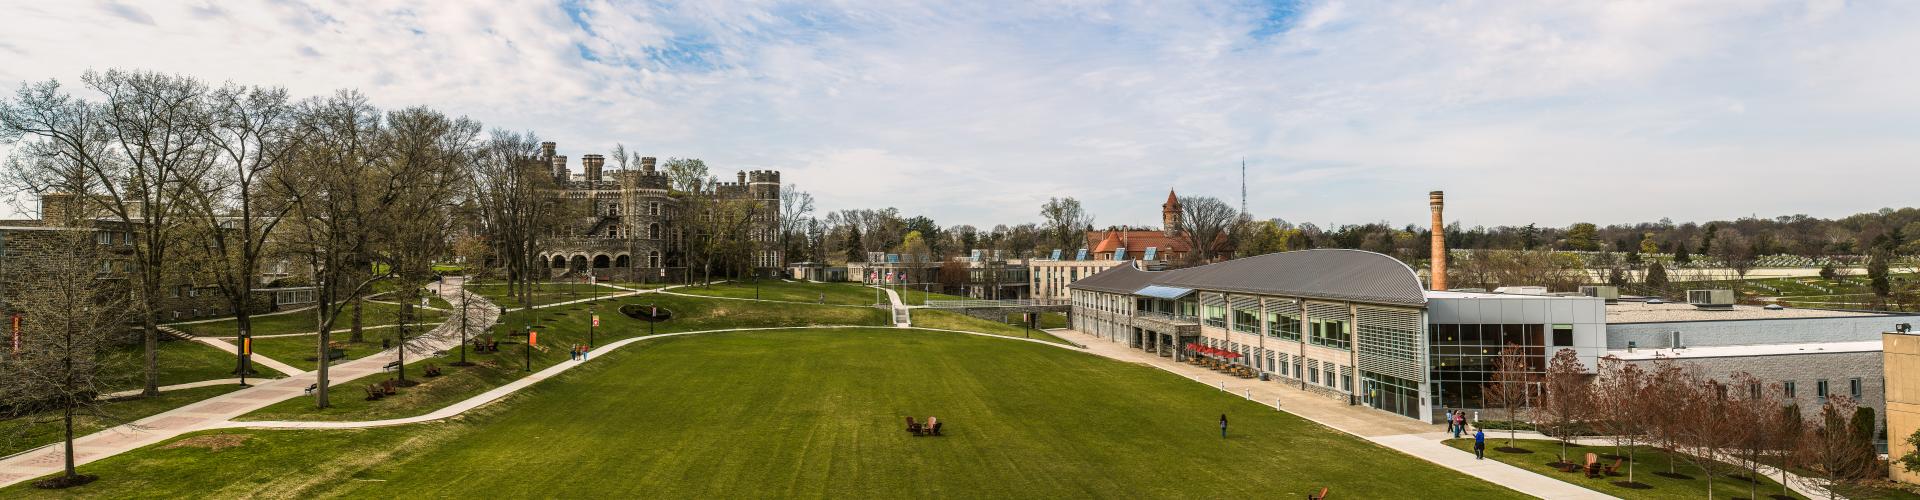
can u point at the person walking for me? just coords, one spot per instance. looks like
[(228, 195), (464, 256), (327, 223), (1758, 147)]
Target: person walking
[(1459, 423), (1223, 426), (1449, 419), (583, 352), (1479, 444)]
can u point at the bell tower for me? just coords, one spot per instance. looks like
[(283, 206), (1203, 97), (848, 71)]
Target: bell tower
[(1170, 213)]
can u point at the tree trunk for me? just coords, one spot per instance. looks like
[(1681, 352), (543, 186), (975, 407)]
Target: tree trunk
[(320, 378), (71, 473), (356, 337), (151, 333)]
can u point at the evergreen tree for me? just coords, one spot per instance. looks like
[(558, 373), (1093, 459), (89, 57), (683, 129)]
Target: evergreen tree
[(1680, 255), (1877, 275), (1827, 272), (855, 251), (1656, 275)]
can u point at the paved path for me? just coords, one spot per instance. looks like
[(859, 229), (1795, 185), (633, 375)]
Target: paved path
[(215, 411), (1393, 431), (175, 387), (229, 348), (902, 318)]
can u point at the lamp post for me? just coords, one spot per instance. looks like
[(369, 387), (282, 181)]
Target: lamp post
[(529, 348), (246, 356)]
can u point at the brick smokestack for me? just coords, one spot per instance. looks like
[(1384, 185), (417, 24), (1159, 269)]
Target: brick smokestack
[(592, 164), (1438, 201)]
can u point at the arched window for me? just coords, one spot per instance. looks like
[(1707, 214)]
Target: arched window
[(559, 261), (653, 258), (653, 231), (622, 261)]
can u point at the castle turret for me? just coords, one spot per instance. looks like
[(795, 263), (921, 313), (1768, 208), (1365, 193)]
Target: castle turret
[(743, 177), (646, 164), (546, 149), (1170, 213), (592, 165), (559, 163)]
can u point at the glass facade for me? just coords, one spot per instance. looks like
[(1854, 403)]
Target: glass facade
[(1246, 321), (1284, 325), (1392, 394), (1463, 358)]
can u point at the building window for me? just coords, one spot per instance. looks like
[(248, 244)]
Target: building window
[(1332, 333), (1563, 335), (1786, 388), (1215, 315), (653, 231), (103, 238), (1246, 321), (1820, 389), (1853, 388), (1285, 326), (1313, 372), (653, 208)]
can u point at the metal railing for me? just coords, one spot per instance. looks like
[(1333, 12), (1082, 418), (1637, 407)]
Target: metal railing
[(970, 304)]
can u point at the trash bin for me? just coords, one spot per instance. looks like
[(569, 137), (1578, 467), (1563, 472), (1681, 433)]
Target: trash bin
[(1263, 376)]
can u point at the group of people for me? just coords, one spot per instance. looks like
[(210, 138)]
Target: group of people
[(579, 352), (1456, 425)]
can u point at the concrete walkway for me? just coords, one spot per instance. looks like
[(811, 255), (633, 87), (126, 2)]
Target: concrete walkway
[(1392, 431), (902, 318), (216, 411), (175, 387), (229, 348)]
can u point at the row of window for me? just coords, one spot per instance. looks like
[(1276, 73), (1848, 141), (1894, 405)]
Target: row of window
[(1295, 367), (1855, 387), (1332, 333)]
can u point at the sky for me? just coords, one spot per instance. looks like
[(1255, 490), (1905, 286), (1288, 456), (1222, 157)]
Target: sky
[(978, 112)]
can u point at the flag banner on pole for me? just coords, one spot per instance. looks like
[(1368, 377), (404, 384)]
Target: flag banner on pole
[(533, 337), (596, 320)]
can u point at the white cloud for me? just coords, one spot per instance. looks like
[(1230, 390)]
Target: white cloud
[(976, 113)]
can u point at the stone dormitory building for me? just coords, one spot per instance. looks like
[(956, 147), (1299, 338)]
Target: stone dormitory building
[(1151, 248), (26, 244), (625, 227)]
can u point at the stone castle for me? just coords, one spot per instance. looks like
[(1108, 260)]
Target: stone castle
[(626, 228)]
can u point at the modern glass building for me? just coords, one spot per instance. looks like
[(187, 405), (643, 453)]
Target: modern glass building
[(1348, 324)]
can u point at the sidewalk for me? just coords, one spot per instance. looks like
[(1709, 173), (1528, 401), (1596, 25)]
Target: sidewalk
[(216, 411), (1392, 431)]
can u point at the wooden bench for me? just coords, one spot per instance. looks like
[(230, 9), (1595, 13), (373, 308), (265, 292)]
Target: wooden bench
[(913, 427), (312, 387), (374, 393), (1321, 496), (935, 430), (1593, 465)]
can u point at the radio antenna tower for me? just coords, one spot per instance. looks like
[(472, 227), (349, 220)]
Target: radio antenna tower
[(1243, 188)]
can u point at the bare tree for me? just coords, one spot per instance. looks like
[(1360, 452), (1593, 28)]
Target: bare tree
[(1512, 386), (1669, 388), (1066, 222), (1756, 408), (342, 192), (511, 189), (140, 150), (1829, 449), (1566, 401), (252, 131), (423, 153), (1620, 403), (64, 361), (795, 207), (1705, 426), (1206, 222)]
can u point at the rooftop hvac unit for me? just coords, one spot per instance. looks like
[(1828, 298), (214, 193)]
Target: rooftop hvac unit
[(1610, 293), (1710, 299), (1521, 290)]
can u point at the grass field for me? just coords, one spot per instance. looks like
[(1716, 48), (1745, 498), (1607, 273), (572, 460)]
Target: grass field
[(301, 351), (180, 362), (807, 413), (915, 297), (20, 434), (372, 313), (559, 328), (949, 320), (790, 291), (543, 293), (1648, 470)]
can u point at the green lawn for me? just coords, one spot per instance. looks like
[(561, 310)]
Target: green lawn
[(1650, 464), (21, 434), (915, 297), (559, 328), (807, 414), (791, 291), (181, 361), (949, 320), (543, 293), (302, 351), (372, 313)]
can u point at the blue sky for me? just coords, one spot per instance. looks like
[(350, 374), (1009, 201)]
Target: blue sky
[(977, 112)]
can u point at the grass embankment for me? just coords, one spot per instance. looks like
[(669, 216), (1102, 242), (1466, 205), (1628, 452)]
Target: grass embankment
[(560, 328), (949, 320), (23, 434), (304, 321), (815, 413), (849, 294), (1650, 470), (180, 362), (302, 351), (543, 293)]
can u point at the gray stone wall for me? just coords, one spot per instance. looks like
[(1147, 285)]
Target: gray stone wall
[(1806, 370)]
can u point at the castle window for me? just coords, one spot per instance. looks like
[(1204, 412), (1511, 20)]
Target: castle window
[(653, 208), (653, 258), (653, 231)]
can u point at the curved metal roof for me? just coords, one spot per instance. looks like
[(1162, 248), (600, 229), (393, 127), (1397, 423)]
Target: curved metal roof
[(1340, 274)]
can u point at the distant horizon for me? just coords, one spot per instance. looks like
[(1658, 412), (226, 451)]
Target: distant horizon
[(1345, 112)]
